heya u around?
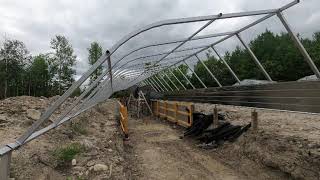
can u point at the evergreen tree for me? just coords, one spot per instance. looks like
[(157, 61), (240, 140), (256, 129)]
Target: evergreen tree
[(95, 52)]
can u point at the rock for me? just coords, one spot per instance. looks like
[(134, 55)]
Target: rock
[(100, 167), (90, 163), (74, 162), (79, 168), (3, 117), (110, 150), (88, 145), (33, 114)]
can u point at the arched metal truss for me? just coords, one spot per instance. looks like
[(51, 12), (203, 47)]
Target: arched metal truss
[(153, 70)]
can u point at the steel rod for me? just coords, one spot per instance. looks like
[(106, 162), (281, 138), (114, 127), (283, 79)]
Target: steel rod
[(227, 65), (265, 73), (211, 74), (195, 75)]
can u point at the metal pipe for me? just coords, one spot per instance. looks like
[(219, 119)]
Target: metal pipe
[(265, 73), (225, 62), (165, 82), (301, 48), (211, 74), (156, 78), (196, 75), (177, 79), (171, 81), (186, 78), (154, 82)]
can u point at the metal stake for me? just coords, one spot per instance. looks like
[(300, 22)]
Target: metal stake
[(5, 161)]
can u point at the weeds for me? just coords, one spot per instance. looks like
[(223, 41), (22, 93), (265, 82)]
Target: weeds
[(65, 154)]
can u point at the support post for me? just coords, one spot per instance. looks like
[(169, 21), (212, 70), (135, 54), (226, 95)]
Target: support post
[(186, 78), (265, 73), (254, 119), (301, 48), (160, 83), (177, 79), (227, 65), (211, 74), (196, 75), (148, 83), (109, 68), (171, 82), (215, 117), (156, 84), (5, 161), (166, 82)]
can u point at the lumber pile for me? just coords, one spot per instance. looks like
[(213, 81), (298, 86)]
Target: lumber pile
[(213, 137)]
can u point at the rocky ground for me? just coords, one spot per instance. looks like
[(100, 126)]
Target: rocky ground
[(90, 147), (286, 146)]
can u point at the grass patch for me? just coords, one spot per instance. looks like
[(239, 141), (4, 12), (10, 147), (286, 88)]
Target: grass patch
[(64, 155)]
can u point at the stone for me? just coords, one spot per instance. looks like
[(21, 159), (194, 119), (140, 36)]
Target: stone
[(88, 145), (74, 162), (90, 163), (100, 167), (79, 168), (33, 114), (110, 150)]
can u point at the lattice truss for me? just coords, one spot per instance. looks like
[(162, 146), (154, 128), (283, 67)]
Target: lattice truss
[(132, 68)]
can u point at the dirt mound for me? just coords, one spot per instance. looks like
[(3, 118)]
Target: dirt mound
[(89, 147)]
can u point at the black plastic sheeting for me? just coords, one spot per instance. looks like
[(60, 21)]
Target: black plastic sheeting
[(212, 138)]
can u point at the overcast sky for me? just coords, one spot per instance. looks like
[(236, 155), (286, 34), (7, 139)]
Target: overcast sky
[(35, 22)]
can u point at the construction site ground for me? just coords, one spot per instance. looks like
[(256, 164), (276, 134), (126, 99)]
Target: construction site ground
[(285, 147)]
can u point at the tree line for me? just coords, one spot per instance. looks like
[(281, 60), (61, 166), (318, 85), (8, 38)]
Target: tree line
[(46, 74), (276, 52), (53, 73)]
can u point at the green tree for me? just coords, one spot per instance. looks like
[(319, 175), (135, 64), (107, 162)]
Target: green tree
[(95, 52), (63, 62), (39, 76), (13, 57)]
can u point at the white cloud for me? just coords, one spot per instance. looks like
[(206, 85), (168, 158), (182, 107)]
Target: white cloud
[(35, 22)]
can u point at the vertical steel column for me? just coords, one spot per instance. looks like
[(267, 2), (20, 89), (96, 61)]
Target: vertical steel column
[(171, 81), (196, 75), (177, 79), (299, 45), (254, 58), (5, 161), (157, 84), (186, 78), (206, 67), (156, 78), (165, 82), (225, 62)]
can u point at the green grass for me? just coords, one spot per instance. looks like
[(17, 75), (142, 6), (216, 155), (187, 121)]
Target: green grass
[(64, 155)]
